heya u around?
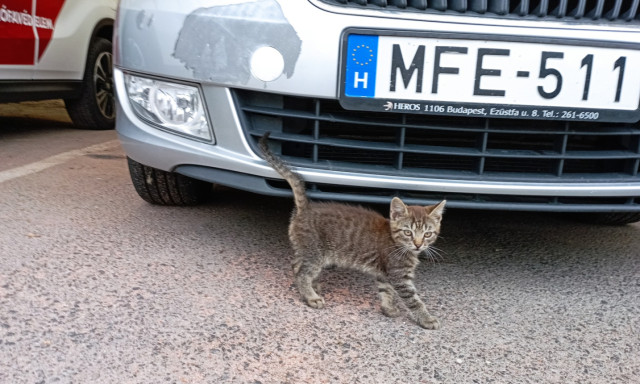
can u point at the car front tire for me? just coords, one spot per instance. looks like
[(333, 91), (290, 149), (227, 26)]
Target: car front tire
[(167, 188), (95, 108)]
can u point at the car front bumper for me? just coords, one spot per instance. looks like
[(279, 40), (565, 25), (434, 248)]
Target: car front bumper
[(179, 43)]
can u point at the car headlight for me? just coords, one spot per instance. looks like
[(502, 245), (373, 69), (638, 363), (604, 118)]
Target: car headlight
[(172, 106)]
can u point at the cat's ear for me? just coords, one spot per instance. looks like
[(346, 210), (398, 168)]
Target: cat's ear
[(436, 211), (398, 209)]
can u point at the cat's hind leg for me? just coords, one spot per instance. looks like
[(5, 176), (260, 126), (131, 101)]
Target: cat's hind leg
[(306, 272), (387, 299)]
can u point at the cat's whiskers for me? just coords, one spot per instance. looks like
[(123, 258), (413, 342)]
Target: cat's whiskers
[(433, 254), (393, 247), (400, 251), (429, 256), (437, 251), (397, 250)]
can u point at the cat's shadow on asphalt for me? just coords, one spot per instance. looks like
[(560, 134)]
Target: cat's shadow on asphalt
[(471, 231)]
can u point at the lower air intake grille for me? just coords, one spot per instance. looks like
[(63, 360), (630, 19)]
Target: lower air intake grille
[(320, 134), (583, 10)]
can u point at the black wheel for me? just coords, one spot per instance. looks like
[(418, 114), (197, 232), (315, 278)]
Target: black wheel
[(611, 218), (95, 108), (167, 188)]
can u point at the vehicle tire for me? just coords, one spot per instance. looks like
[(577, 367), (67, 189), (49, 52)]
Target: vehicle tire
[(95, 108), (611, 218), (167, 188)]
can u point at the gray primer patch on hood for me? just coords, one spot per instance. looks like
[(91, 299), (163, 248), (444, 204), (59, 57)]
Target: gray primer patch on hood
[(216, 43)]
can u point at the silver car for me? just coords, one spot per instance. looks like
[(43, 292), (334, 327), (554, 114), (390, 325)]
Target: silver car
[(491, 104)]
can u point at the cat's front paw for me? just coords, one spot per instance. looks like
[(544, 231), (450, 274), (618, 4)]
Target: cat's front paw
[(390, 311), (316, 302), (428, 322)]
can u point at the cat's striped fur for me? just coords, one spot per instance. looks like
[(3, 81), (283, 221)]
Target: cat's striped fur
[(332, 234)]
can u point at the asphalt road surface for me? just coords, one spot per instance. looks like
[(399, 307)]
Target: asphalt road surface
[(97, 286)]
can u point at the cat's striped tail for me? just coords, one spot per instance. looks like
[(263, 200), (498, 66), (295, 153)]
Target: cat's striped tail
[(294, 180)]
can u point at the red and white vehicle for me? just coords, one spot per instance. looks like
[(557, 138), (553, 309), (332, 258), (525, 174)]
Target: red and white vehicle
[(60, 49)]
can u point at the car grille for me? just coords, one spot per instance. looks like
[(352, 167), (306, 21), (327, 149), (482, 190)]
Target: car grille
[(319, 133), (583, 10)]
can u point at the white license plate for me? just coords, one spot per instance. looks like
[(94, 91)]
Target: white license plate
[(490, 78)]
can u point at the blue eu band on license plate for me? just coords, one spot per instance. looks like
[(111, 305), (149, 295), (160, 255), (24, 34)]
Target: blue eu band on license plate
[(490, 78)]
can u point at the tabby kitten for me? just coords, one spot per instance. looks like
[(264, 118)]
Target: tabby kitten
[(331, 234)]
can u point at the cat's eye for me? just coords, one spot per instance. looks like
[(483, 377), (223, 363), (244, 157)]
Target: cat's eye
[(408, 233), (428, 235)]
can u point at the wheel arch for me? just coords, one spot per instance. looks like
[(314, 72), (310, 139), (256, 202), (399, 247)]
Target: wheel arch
[(103, 29)]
